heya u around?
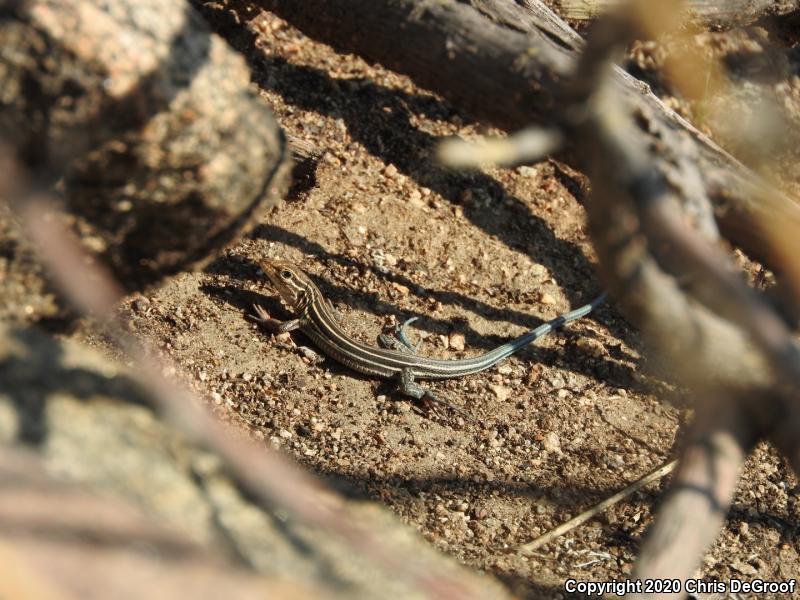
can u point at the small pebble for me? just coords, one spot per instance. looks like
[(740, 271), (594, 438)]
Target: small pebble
[(400, 288), (546, 299), (591, 347), (539, 271), (457, 341), (552, 443), (415, 198), (744, 568), (141, 304), (500, 391)]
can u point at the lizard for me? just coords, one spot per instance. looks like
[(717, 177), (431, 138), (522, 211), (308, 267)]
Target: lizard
[(397, 359)]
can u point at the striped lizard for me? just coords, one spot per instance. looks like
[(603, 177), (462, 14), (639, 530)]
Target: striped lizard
[(397, 359)]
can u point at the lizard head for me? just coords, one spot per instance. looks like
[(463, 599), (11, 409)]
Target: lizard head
[(293, 286)]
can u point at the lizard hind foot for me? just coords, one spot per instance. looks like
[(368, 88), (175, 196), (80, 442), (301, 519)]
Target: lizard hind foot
[(390, 342), (431, 401), (427, 399)]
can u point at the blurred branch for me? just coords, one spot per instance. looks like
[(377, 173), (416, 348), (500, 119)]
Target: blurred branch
[(161, 146), (526, 146), (719, 14), (721, 337)]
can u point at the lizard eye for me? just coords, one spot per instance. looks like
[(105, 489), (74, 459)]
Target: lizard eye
[(286, 274)]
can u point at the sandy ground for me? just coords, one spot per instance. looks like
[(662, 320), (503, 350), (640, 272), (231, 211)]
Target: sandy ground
[(479, 257)]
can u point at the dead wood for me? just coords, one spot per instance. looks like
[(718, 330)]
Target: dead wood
[(512, 73), (723, 340), (713, 13)]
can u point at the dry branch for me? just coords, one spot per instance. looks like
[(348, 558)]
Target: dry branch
[(722, 338), (512, 73), (713, 13), (90, 422)]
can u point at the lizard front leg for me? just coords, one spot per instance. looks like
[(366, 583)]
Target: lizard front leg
[(273, 325)]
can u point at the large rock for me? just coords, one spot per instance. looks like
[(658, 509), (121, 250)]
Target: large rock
[(147, 121), (87, 421)]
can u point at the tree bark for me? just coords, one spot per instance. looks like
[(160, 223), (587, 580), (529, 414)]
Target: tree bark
[(514, 72)]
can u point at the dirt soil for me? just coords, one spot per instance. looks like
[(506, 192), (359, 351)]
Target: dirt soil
[(479, 257)]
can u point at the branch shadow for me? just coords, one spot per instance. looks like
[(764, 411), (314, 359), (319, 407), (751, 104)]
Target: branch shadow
[(382, 119), (572, 496), (614, 370)]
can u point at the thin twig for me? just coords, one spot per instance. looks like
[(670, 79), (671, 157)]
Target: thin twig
[(526, 146), (598, 508)]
